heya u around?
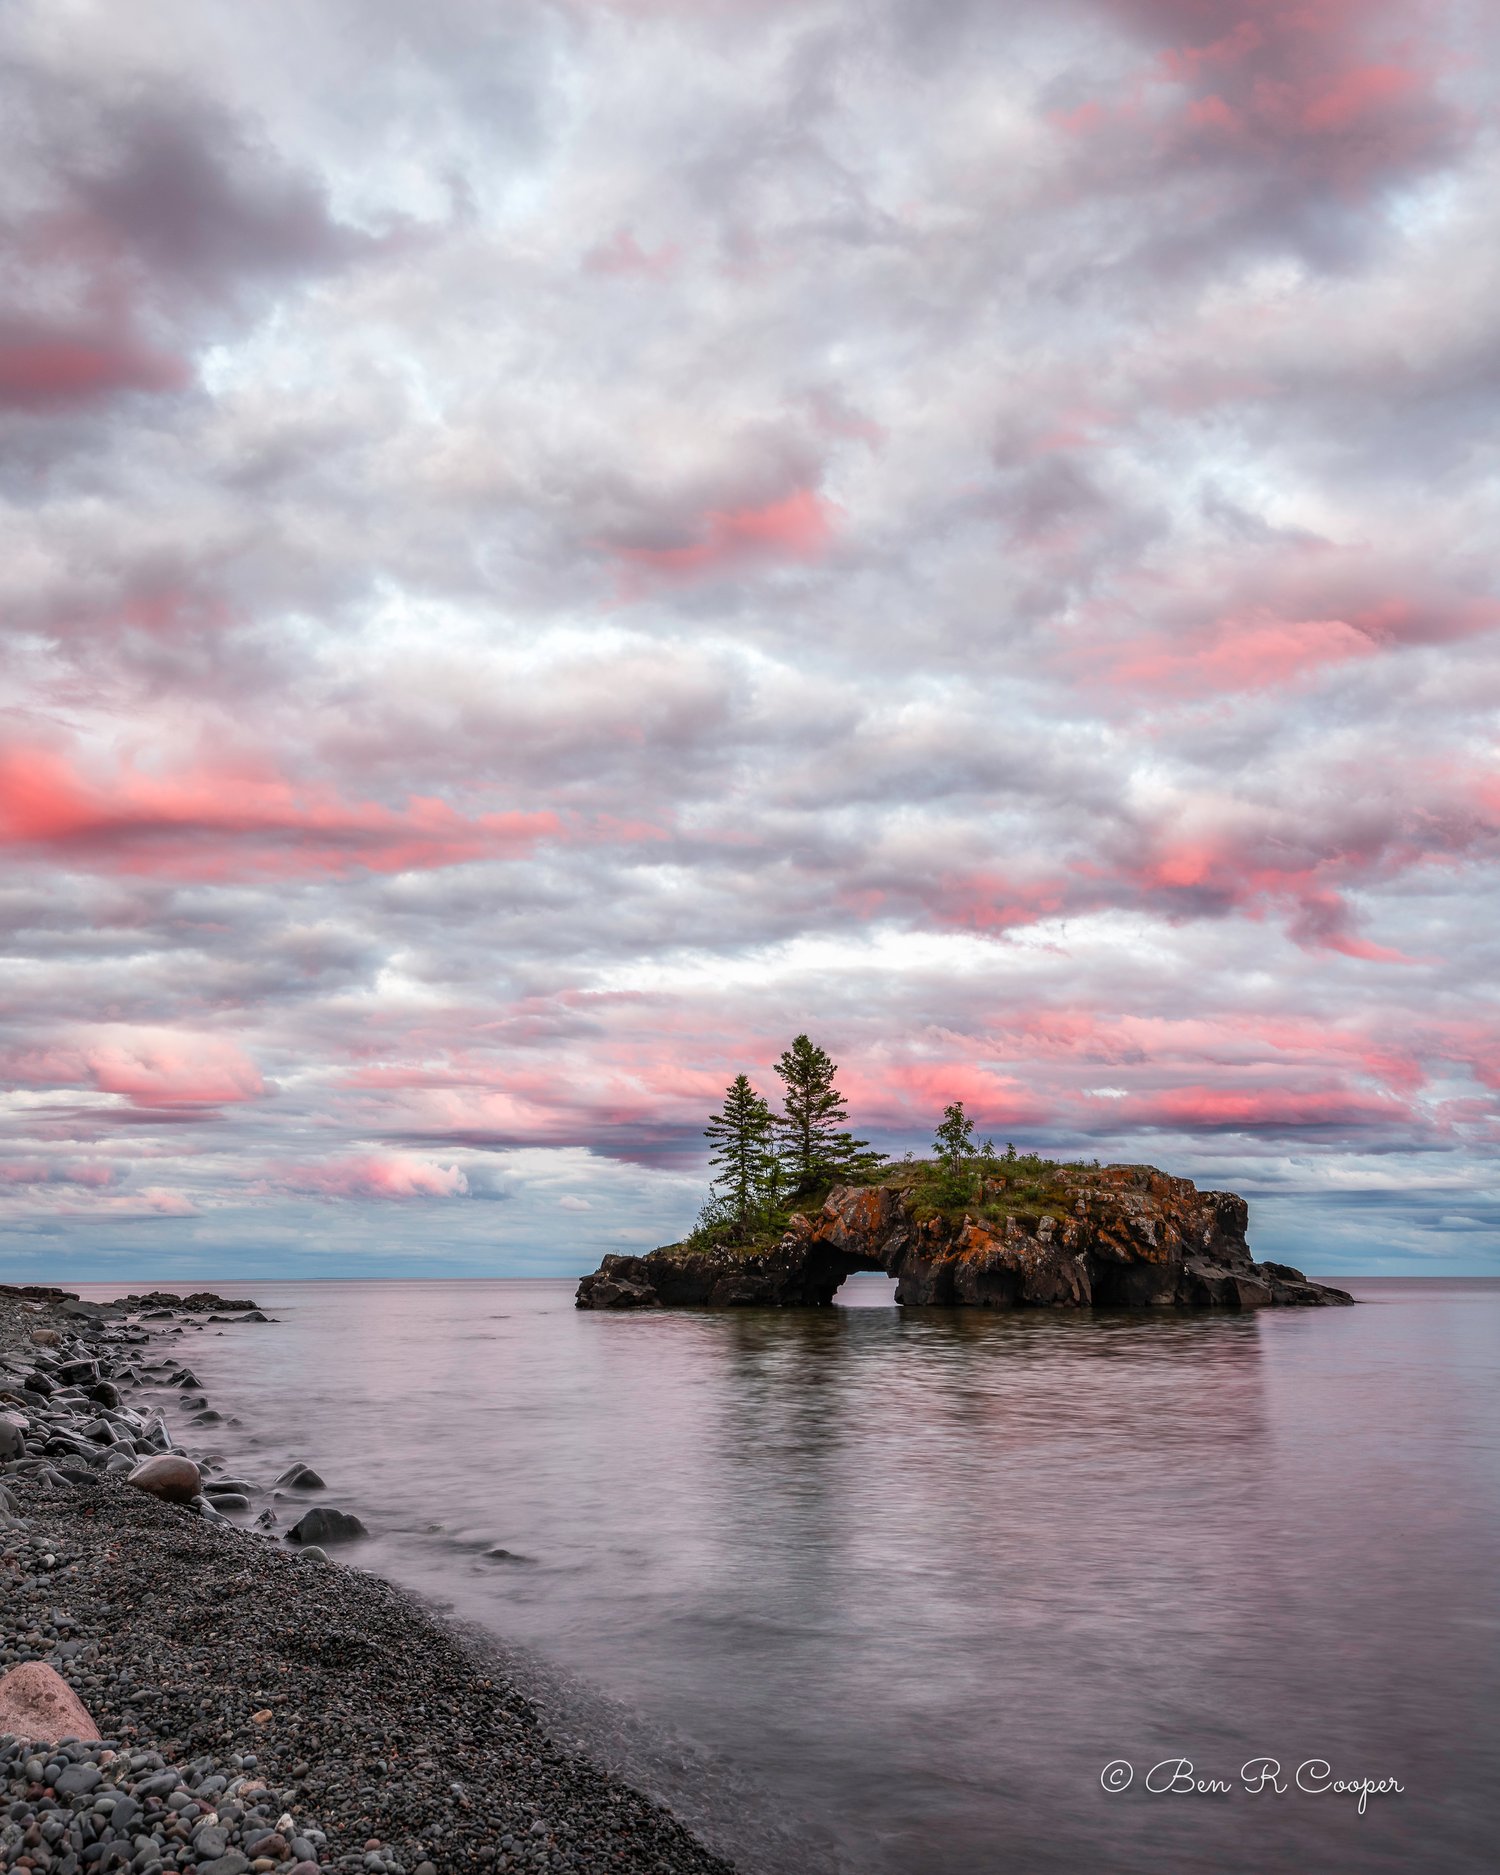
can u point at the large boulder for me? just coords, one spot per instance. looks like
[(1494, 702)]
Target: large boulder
[(37, 1704), (169, 1476)]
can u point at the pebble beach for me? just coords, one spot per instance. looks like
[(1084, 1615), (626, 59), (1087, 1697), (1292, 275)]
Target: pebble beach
[(260, 1703)]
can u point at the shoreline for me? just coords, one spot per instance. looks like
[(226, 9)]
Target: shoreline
[(344, 1717)]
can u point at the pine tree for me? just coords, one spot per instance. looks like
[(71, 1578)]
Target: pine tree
[(813, 1145), (741, 1136), (955, 1138)]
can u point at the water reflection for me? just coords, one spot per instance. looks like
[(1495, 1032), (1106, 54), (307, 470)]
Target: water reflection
[(923, 1574)]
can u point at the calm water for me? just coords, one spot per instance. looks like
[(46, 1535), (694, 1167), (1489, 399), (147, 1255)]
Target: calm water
[(909, 1582)]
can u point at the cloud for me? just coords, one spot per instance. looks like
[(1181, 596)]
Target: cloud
[(373, 1176), (217, 822), (171, 1069), (796, 527), (88, 1175), (39, 368), (636, 532)]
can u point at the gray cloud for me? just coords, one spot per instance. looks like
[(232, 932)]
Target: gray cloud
[(617, 538)]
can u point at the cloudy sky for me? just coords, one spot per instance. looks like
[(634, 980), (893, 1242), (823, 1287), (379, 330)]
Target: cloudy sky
[(549, 546)]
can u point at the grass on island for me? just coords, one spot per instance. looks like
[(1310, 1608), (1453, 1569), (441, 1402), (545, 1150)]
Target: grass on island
[(990, 1187)]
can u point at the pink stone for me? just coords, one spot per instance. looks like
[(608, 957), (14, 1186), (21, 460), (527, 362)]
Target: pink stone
[(171, 1477), (38, 1704)]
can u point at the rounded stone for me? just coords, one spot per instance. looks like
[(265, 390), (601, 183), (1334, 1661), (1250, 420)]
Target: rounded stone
[(324, 1524), (174, 1479), (301, 1478), (37, 1703)]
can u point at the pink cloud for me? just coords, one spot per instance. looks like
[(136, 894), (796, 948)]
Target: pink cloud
[(1290, 614), (1329, 88), (798, 527), (39, 370), (214, 823), (375, 1175), (163, 1201), (1360, 93), (1273, 1109), (167, 1068), (1256, 654)]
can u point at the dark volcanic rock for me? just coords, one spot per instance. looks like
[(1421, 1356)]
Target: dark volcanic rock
[(323, 1524), (1117, 1236), (301, 1478), (201, 1302)]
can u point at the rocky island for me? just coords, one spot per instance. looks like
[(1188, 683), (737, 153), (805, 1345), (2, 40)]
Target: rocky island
[(1021, 1233)]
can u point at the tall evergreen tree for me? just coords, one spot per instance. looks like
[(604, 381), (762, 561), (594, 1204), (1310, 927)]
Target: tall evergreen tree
[(809, 1130), (741, 1136)]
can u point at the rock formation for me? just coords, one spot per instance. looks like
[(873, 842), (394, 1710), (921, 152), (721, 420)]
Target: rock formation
[(1117, 1236)]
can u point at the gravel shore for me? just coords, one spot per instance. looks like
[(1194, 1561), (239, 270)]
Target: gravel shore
[(259, 1708)]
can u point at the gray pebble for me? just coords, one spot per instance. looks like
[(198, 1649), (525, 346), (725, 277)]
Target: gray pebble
[(78, 1780)]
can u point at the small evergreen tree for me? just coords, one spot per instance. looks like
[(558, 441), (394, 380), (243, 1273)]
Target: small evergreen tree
[(954, 1142), (809, 1131), (741, 1140)]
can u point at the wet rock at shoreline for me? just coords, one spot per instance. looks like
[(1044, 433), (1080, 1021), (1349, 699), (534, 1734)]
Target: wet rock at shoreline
[(323, 1524), (169, 1476), (301, 1477)]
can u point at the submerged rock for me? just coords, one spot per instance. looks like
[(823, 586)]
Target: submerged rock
[(1116, 1236), (301, 1478), (323, 1524)]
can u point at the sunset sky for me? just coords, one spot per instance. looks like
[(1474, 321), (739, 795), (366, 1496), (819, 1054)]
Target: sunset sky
[(550, 546)]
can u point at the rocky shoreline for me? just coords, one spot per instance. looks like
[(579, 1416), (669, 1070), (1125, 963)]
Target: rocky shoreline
[(260, 1707)]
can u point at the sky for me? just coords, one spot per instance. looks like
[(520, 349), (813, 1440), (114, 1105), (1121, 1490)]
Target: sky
[(548, 548)]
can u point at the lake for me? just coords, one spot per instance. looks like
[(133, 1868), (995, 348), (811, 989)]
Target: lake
[(883, 1593)]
